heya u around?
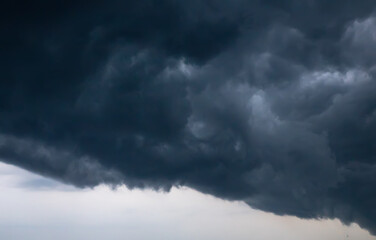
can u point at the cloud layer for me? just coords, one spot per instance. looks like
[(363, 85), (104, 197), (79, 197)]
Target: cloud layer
[(268, 102)]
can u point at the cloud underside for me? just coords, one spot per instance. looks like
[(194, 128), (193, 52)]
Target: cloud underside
[(269, 102)]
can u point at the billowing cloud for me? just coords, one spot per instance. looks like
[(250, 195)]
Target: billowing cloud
[(268, 102)]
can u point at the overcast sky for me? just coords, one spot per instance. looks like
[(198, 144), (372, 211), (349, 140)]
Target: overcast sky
[(269, 103)]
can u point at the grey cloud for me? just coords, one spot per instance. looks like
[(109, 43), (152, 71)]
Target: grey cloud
[(267, 102), (358, 42)]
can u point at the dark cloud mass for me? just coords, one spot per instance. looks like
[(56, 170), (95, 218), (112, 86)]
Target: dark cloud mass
[(269, 102)]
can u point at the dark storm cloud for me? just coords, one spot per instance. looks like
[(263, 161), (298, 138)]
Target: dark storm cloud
[(268, 102)]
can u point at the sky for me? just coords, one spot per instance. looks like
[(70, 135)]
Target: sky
[(34, 207), (270, 104)]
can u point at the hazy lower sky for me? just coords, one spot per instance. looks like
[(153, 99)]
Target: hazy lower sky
[(36, 208)]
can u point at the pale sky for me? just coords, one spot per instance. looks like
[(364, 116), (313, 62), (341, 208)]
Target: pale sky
[(37, 208)]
